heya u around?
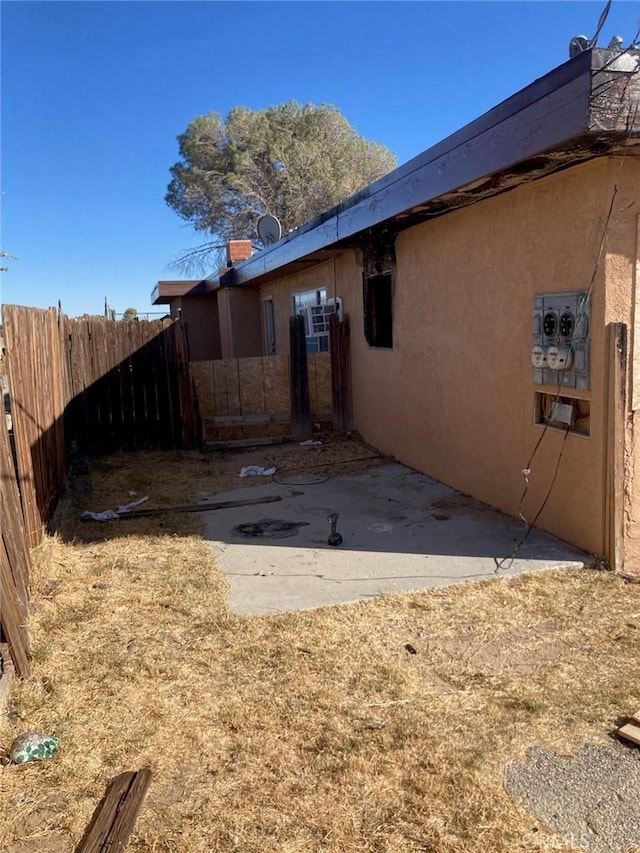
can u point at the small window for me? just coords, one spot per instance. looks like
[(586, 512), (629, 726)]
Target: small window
[(378, 314), (269, 326), (316, 309)]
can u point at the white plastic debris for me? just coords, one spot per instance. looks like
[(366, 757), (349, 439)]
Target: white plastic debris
[(310, 443), (256, 471), (128, 507), (110, 514), (107, 515)]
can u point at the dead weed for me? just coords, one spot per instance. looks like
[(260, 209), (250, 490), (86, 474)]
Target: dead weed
[(314, 731)]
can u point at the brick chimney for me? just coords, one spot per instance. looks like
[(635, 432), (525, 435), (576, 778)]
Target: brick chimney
[(238, 250)]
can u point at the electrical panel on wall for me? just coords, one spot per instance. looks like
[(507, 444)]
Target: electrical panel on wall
[(560, 349)]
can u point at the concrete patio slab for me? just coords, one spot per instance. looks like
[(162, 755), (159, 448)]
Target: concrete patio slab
[(402, 531)]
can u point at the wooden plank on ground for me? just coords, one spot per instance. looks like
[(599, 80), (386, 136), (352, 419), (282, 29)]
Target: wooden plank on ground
[(635, 718), (114, 818), (168, 510), (246, 420), (630, 732), (238, 444)]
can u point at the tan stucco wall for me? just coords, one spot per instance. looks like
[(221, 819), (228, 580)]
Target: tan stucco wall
[(282, 292), (240, 322), (454, 397), (622, 268), (200, 314)]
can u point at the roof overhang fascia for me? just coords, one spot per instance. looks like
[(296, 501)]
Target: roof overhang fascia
[(165, 291), (577, 110)]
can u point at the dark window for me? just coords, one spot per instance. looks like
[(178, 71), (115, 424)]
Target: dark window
[(378, 318)]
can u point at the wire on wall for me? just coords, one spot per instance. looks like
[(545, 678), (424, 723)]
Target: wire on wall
[(585, 303)]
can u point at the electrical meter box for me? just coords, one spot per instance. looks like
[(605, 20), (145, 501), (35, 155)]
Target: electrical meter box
[(560, 347)]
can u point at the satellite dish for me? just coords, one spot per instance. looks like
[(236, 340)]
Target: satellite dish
[(578, 45), (269, 229)]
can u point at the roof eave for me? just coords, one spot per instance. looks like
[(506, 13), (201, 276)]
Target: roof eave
[(571, 103), (166, 291)]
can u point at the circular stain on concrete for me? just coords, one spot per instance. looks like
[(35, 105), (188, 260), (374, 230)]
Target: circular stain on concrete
[(268, 528)]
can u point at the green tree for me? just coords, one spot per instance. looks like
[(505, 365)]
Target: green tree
[(292, 160), (130, 314)]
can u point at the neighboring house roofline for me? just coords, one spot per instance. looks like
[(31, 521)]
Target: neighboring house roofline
[(578, 111), (165, 291)]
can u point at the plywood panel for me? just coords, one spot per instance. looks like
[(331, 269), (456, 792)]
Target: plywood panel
[(277, 395), (232, 378), (313, 384), (251, 384), (202, 377), (322, 363), (221, 404)]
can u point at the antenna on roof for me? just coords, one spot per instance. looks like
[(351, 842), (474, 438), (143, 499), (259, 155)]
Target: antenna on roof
[(601, 21), (579, 44)]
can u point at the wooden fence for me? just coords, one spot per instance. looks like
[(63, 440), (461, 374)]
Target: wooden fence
[(238, 398), (14, 566), (92, 385)]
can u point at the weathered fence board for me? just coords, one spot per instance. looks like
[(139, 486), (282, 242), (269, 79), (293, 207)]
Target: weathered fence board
[(89, 384), (94, 385), (35, 383), (300, 405), (340, 381), (14, 561), (115, 816)]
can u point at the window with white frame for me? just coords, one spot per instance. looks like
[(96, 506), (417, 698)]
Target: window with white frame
[(316, 309)]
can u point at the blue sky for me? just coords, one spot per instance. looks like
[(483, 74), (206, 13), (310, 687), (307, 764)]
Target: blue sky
[(95, 93)]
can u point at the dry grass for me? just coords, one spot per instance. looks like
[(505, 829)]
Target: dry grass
[(313, 731)]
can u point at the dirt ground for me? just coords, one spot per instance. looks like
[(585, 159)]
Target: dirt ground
[(371, 727)]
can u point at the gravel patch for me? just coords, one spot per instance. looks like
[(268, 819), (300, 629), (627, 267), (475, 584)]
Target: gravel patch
[(592, 798)]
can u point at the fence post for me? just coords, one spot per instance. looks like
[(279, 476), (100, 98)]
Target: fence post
[(300, 405), (616, 414), (340, 373), (14, 561)]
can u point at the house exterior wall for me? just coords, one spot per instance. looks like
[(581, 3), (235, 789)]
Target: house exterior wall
[(454, 397), (282, 292), (200, 315), (240, 322), (175, 307), (622, 305)]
